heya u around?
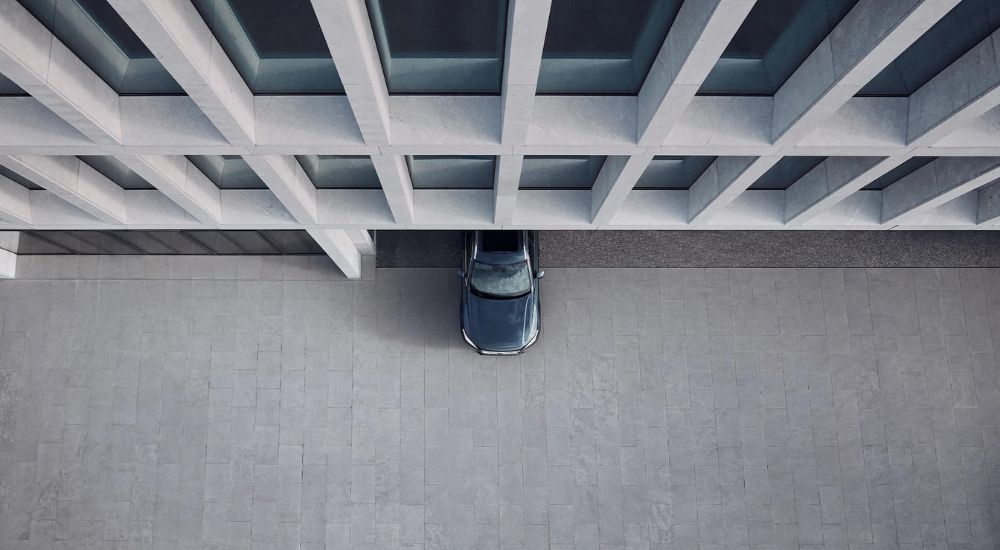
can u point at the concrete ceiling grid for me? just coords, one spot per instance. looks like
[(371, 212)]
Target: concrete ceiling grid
[(71, 111)]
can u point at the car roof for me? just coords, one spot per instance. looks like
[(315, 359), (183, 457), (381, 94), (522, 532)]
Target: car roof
[(500, 246)]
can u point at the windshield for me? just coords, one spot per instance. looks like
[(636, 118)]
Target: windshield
[(502, 281)]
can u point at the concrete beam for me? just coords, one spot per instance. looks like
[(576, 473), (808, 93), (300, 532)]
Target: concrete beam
[(814, 113), (507, 178), (147, 210), (988, 204), (285, 177), (934, 184), (43, 66), (956, 96), (394, 175), (958, 213), (348, 33), (722, 183), (700, 33), (613, 184), (73, 181), (15, 206), (468, 125), (832, 180), (363, 241), (8, 264), (183, 43), (340, 247), (867, 40), (182, 182), (527, 21)]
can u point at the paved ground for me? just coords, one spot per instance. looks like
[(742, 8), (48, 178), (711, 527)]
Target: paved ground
[(716, 249), (227, 401)]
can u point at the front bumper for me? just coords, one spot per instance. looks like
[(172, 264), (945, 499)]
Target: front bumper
[(481, 351)]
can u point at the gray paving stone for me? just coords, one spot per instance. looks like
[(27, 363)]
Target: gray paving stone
[(674, 408)]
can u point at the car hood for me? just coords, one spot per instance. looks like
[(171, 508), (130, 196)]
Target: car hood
[(499, 325)]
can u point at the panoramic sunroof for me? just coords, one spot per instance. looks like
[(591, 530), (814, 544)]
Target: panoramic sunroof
[(499, 241)]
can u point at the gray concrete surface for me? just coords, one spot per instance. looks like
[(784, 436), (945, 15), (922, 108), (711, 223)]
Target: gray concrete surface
[(269, 403), (716, 249)]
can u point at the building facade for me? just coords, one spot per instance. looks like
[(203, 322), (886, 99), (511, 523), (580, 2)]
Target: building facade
[(337, 117)]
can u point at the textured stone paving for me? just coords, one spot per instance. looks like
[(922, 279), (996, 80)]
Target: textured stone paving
[(269, 403)]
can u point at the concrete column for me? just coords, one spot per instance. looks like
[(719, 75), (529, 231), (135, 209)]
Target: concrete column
[(363, 241), (395, 178), (348, 33), (508, 176), (340, 247), (527, 21), (8, 264)]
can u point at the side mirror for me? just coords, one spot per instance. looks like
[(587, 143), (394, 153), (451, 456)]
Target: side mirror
[(540, 275), (459, 273)]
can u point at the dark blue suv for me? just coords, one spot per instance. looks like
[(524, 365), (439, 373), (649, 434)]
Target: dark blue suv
[(501, 311)]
